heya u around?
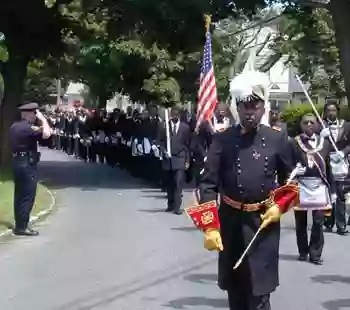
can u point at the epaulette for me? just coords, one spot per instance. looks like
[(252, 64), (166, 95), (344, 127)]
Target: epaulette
[(275, 128)]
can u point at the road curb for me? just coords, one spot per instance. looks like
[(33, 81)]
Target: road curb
[(40, 215)]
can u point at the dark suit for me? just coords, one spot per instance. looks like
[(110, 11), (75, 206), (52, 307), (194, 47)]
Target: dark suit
[(342, 141), (175, 165), (200, 143), (279, 126)]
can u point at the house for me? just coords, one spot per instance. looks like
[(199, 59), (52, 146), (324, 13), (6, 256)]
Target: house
[(285, 89)]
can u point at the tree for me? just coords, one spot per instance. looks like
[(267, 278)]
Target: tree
[(307, 37), (338, 10), (27, 37), (39, 84)]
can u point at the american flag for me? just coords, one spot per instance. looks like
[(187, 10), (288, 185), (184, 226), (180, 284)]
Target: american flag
[(207, 94)]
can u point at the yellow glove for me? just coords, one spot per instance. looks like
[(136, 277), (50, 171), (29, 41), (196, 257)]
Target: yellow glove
[(212, 240), (272, 215)]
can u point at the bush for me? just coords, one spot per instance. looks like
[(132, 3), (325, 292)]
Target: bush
[(292, 115)]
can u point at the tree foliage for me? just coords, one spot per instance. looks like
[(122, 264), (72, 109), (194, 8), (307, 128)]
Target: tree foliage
[(307, 36)]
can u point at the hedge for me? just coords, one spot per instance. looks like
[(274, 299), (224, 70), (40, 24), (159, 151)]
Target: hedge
[(292, 115)]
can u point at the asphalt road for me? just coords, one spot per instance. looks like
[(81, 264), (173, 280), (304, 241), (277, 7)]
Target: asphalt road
[(110, 246)]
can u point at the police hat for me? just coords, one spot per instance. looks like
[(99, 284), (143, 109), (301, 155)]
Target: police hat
[(31, 106)]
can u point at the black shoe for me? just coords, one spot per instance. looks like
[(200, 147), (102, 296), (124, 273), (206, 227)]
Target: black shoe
[(342, 232), (178, 212), (169, 210), (302, 257), (318, 261), (25, 232), (328, 229)]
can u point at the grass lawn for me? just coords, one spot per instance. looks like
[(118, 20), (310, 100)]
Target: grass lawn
[(43, 201)]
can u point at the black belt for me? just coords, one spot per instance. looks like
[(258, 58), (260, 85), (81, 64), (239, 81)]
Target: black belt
[(24, 154)]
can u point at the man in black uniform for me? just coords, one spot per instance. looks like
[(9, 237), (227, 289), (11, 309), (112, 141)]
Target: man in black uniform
[(242, 165), (339, 131), (176, 163), (275, 121), (24, 137)]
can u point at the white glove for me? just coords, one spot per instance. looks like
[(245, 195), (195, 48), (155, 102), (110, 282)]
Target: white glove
[(325, 133), (166, 154), (338, 156), (300, 171), (333, 198)]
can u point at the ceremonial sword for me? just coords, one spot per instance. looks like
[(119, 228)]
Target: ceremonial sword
[(240, 260)]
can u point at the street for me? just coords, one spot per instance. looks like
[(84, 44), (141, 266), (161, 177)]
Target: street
[(110, 246)]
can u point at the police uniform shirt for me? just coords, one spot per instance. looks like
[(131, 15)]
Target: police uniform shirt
[(24, 136)]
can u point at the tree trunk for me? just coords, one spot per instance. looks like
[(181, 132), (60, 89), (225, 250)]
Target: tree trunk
[(14, 73), (102, 102), (339, 10)]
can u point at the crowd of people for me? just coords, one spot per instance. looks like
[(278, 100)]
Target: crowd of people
[(246, 162), (137, 142), (129, 139)]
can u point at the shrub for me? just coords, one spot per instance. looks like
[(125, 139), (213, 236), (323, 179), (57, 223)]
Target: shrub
[(292, 115)]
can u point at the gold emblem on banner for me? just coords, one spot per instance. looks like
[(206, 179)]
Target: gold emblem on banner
[(207, 217)]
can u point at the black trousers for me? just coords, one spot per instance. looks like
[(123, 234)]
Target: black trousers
[(112, 154), (25, 181), (174, 185), (315, 246), (338, 216), (245, 301)]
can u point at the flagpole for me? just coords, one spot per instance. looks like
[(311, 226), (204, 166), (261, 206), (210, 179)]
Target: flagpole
[(207, 24)]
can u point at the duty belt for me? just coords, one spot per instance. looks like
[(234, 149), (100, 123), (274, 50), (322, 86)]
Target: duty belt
[(24, 154), (247, 207)]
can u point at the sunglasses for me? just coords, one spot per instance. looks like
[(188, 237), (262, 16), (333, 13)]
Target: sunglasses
[(308, 122)]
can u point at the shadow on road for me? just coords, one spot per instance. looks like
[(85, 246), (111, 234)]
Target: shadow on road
[(59, 171), (288, 257), (78, 174), (160, 196), (184, 303), (337, 304), (329, 279), (102, 298), (186, 228), (152, 211), (202, 278)]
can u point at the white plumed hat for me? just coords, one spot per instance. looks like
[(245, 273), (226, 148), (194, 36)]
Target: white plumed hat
[(250, 85)]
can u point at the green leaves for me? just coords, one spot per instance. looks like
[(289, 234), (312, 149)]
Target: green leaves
[(308, 38)]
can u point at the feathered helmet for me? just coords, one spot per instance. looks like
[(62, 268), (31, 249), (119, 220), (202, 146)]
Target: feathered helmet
[(250, 85)]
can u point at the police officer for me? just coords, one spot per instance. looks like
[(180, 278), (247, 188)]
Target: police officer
[(24, 136)]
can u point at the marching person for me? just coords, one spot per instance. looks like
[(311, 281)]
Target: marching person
[(24, 136), (275, 121), (175, 164), (339, 131), (202, 139), (316, 188), (242, 165)]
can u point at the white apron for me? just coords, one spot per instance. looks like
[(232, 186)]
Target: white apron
[(313, 195)]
